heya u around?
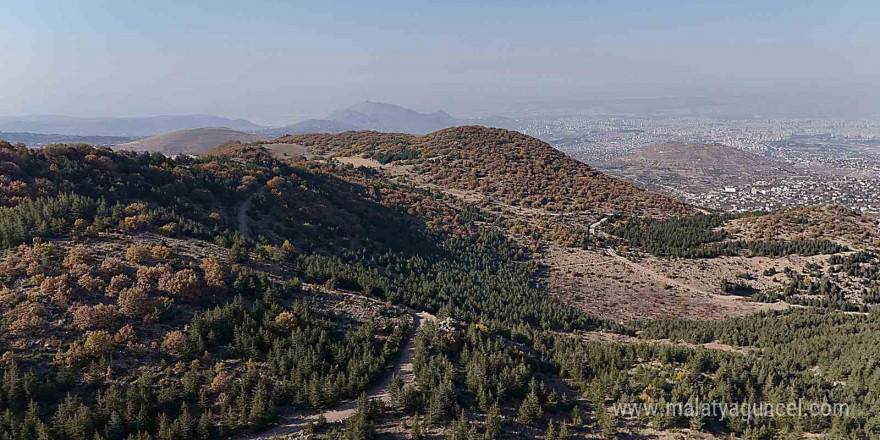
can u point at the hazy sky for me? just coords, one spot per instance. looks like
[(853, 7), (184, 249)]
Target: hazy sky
[(279, 61)]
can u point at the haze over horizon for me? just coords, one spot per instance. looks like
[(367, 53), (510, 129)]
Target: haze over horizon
[(275, 63)]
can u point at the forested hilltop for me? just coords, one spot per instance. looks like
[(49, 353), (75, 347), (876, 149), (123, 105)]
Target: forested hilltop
[(519, 169), (394, 286)]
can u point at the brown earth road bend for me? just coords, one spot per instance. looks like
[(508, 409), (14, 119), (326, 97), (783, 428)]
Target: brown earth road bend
[(403, 367)]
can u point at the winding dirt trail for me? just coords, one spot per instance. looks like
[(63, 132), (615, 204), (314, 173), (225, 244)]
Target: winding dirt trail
[(657, 276), (608, 337), (594, 228), (243, 208), (403, 367), (294, 422), (637, 267)]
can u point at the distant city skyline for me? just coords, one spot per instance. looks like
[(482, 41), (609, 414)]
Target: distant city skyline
[(275, 63)]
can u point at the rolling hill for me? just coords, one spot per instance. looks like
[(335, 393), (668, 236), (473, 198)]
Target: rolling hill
[(512, 167), (193, 141)]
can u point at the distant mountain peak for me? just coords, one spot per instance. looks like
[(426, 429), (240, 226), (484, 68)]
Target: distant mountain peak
[(371, 115)]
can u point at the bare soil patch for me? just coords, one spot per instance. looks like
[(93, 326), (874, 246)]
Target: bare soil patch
[(609, 286), (287, 151), (358, 161)]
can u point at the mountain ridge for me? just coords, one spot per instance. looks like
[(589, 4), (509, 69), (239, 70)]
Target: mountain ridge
[(310, 126), (366, 115), (392, 118), (118, 126), (39, 139)]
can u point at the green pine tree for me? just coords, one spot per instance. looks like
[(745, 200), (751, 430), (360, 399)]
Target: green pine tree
[(115, 427), (460, 429), (576, 417), (360, 425), (185, 424), (550, 434), (395, 391), (564, 432), (493, 423), (205, 426), (530, 411), (165, 430)]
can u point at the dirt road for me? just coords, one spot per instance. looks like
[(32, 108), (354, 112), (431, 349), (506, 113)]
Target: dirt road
[(594, 228), (403, 367), (639, 268)]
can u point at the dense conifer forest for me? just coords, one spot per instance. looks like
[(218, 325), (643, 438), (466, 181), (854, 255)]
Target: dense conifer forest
[(701, 236)]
